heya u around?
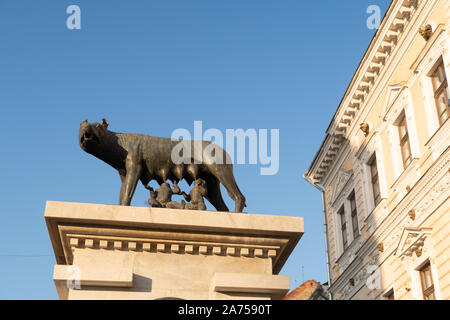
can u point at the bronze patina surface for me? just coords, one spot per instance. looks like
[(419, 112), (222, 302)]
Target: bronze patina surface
[(146, 158)]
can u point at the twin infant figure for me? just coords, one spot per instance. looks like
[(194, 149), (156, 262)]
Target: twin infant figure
[(162, 197)]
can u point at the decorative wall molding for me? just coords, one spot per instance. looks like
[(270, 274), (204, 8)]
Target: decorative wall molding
[(428, 193), (399, 103), (349, 255), (438, 143), (92, 227), (342, 181), (352, 281), (154, 242), (393, 231), (412, 242)]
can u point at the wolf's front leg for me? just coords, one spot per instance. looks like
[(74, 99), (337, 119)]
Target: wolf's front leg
[(129, 181)]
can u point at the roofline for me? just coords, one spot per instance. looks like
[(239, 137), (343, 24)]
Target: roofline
[(352, 81), (372, 42)]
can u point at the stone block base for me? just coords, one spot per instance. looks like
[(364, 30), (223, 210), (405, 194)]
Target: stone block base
[(116, 252)]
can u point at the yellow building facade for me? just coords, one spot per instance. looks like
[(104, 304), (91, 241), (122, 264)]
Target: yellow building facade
[(384, 165)]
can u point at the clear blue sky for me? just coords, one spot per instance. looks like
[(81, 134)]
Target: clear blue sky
[(152, 67)]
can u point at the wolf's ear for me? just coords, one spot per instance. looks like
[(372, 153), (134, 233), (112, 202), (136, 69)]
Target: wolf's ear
[(84, 122), (105, 123)]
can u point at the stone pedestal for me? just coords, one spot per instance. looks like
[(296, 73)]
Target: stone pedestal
[(116, 252)]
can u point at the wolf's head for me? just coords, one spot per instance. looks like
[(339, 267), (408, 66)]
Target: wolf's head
[(91, 136)]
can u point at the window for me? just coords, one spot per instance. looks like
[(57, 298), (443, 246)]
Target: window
[(441, 93), (427, 282), (404, 140), (389, 295), (354, 215), (374, 180), (341, 214)]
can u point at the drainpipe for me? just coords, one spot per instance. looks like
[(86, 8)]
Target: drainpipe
[(322, 193)]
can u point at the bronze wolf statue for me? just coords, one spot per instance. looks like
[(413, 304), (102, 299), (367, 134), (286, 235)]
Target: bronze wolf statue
[(146, 158)]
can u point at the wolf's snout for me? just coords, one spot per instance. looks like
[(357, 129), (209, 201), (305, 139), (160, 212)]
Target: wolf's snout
[(88, 137)]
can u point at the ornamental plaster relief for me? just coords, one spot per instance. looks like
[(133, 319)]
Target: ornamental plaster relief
[(422, 207), (341, 186)]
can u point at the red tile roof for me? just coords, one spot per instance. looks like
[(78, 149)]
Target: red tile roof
[(303, 292)]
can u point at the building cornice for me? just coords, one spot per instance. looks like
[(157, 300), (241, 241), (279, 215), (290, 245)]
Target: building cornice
[(366, 78), (79, 226)]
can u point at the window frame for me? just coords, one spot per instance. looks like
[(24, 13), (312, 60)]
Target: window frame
[(343, 227), (442, 89), (354, 214), (430, 290), (389, 294), (372, 163), (428, 59), (404, 140)]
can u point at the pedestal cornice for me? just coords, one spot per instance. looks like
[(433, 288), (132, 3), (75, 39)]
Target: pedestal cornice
[(111, 227)]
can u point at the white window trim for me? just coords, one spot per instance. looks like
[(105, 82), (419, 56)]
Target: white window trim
[(403, 103), (425, 67), (394, 144), (373, 147), (407, 252), (341, 243), (417, 281), (430, 106), (381, 169), (347, 185)]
